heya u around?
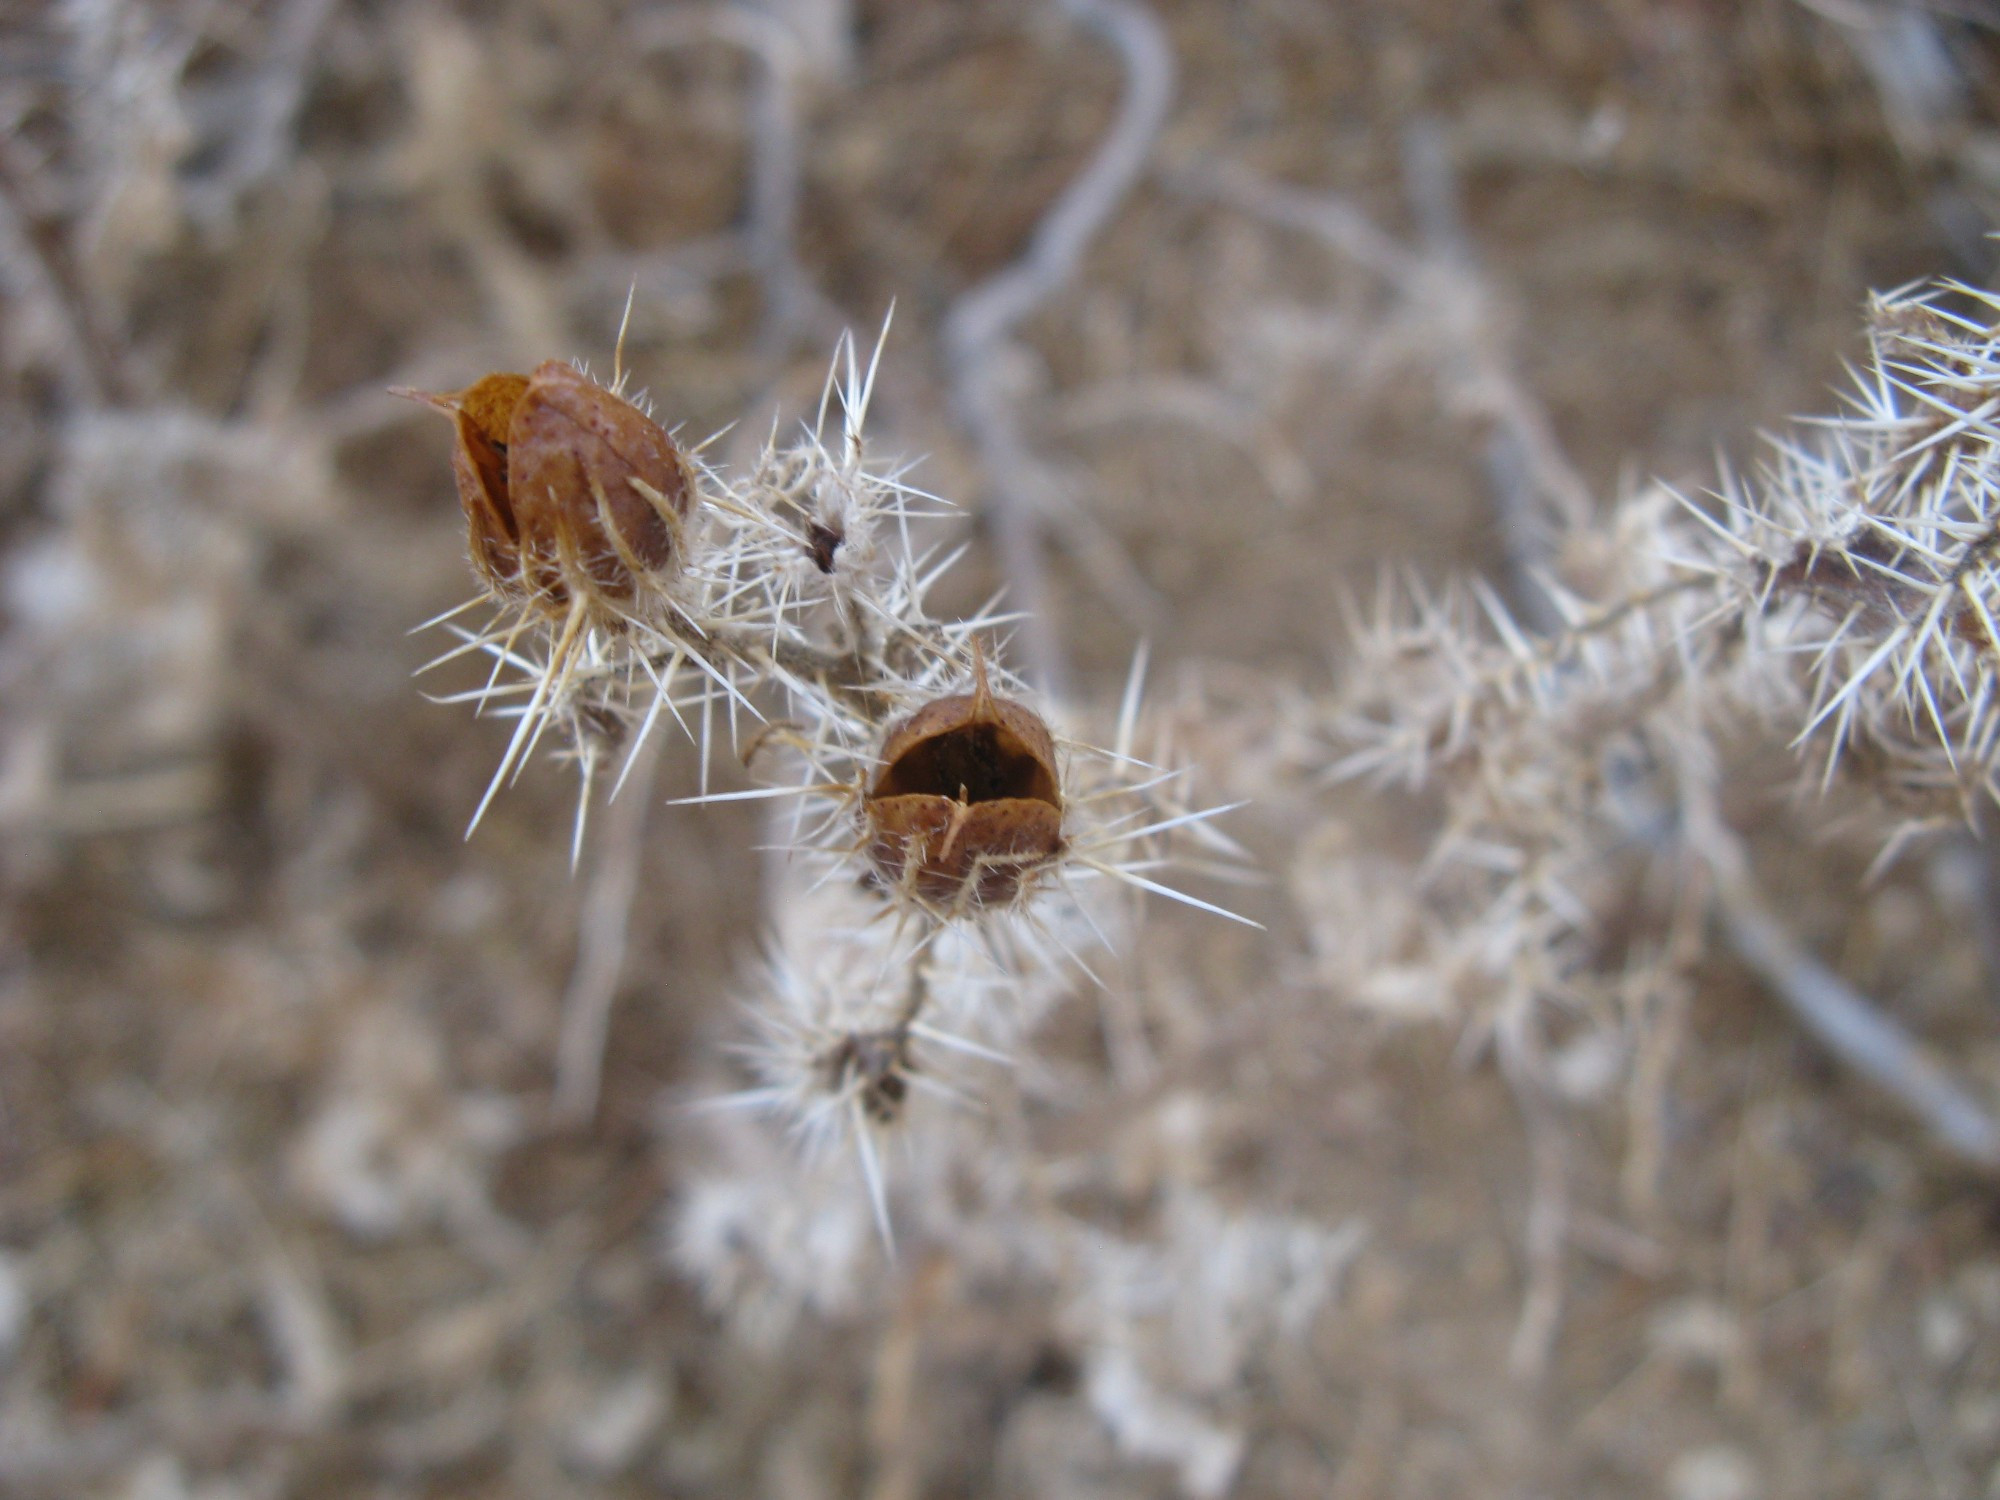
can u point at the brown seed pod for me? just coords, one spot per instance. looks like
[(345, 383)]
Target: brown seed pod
[(968, 802), (569, 490)]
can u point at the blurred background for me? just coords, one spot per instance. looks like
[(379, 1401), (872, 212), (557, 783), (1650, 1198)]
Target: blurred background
[(283, 1207)]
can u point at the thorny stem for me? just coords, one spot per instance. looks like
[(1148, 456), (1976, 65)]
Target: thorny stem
[(1548, 651), (914, 999), (1862, 572), (844, 673), (1844, 1020), (876, 1063), (1552, 648), (1610, 616)]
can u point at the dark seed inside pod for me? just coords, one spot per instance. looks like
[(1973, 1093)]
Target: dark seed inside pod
[(968, 803), (970, 757)]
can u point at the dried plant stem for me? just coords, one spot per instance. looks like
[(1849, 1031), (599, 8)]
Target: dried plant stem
[(1661, 1030), (1983, 854), (894, 1396), (792, 304), (1843, 1019), (846, 675), (789, 297), (720, 644), (1021, 487), (991, 311), (914, 1000), (1547, 1231), (84, 360), (118, 804), (261, 145)]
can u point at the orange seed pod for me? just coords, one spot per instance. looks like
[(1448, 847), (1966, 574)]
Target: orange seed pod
[(968, 802), (569, 490)]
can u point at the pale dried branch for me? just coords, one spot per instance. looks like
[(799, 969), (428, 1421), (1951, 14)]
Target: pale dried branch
[(1025, 493), (254, 121), (1439, 280), (792, 304), (1844, 1020), (1546, 1235), (1535, 487), (83, 361)]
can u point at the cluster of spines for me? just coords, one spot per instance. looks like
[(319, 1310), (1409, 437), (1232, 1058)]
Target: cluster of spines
[(794, 612), (1864, 552)]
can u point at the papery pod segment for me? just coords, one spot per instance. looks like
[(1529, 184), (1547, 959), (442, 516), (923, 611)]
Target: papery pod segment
[(569, 490), (968, 802)]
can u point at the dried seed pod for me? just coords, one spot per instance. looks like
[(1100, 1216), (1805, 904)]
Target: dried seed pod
[(822, 541), (878, 1065), (479, 465), (968, 802), (569, 490)]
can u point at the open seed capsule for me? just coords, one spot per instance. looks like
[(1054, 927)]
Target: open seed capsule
[(968, 802), (569, 490)]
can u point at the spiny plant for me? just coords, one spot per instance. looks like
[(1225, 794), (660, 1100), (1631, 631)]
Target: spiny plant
[(1845, 596), (960, 833)]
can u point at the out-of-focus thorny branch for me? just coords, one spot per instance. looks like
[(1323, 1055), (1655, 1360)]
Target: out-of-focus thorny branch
[(1539, 497), (1026, 496), (1846, 596)]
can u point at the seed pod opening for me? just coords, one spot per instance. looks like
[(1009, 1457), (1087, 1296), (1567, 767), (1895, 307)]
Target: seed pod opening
[(968, 802), (569, 490)]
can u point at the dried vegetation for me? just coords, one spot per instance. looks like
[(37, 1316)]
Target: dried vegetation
[(340, 1155)]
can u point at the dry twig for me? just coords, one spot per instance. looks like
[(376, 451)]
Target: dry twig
[(1023, 488), (792, 304), (1852, 1027)]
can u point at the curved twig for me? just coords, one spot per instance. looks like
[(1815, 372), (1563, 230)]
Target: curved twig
[(1843, 1019), (983, 320)]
